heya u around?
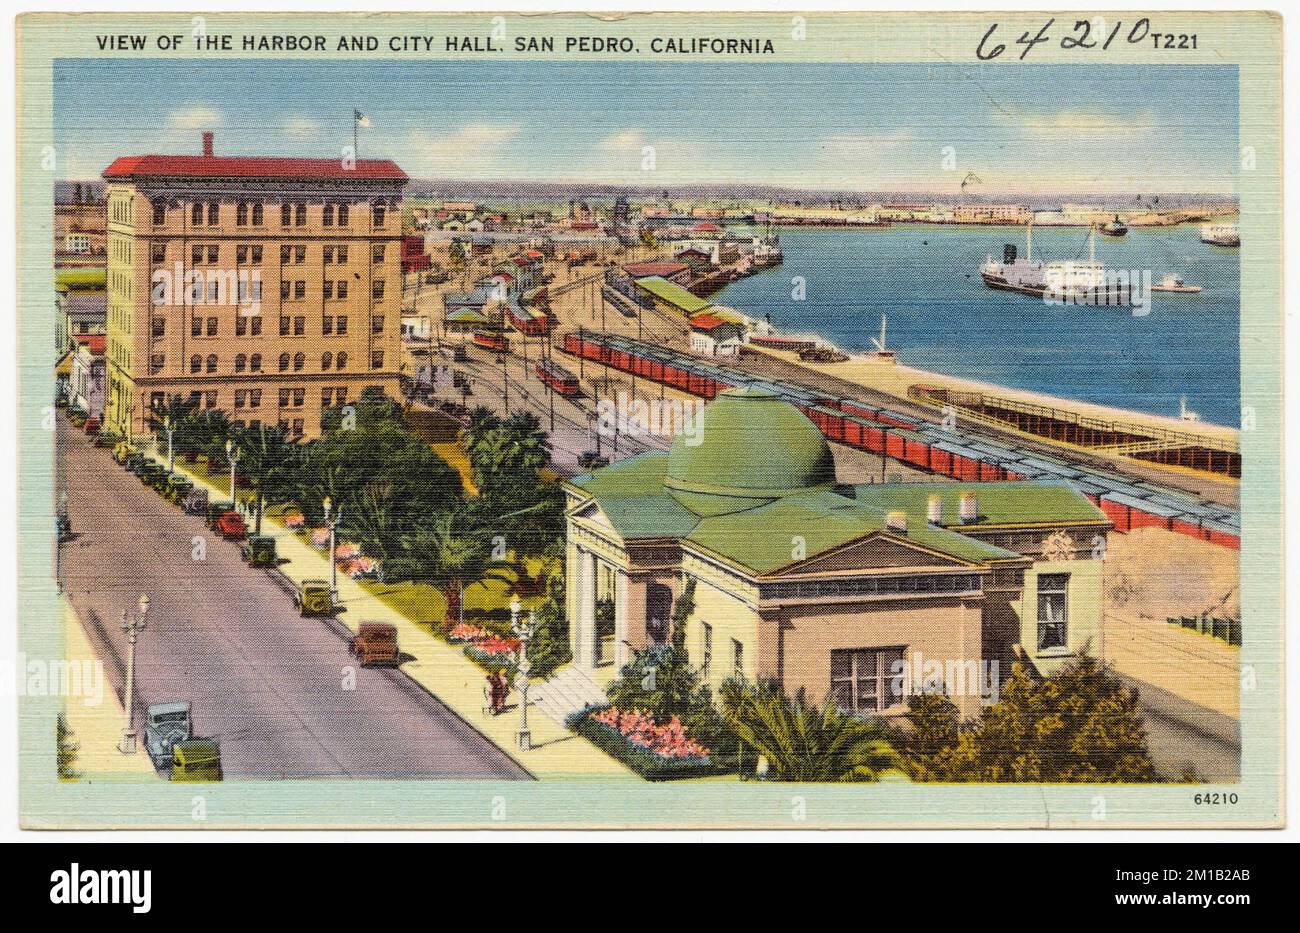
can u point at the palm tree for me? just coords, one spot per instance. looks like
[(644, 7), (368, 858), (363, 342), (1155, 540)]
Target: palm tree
[(481, 420), (801, 742), (375, 519), (271, 462), (451, 557)]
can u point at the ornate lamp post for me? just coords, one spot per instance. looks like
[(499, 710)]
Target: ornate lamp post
[(132, 626), (523, 631), (332, 523), (232, 454), (170, 428)]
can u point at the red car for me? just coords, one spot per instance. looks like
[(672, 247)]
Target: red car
[(92, 425), (376, 643), (231, 526)]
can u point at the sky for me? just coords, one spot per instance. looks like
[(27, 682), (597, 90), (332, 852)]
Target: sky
[(1029, 129)]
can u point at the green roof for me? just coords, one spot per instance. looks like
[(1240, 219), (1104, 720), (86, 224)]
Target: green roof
[(1052, 502), (81, 278), (466, 316), (672, 293), (750, 444)]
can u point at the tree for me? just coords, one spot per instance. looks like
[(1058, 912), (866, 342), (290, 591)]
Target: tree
[(272, 463), (449, 555), (1081, 725), (549, 647), (481, 420), (67, 751), (801, 742), (181, 413)]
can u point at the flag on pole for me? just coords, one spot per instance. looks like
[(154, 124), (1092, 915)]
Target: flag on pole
[(360, 118)]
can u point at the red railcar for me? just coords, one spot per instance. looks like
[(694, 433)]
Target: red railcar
[(492, 340), (557, 377)]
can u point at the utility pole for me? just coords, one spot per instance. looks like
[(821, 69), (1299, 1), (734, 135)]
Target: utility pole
[(132, 627)]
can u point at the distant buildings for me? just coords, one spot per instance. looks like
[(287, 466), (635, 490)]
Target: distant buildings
[(266, 288), (80, 230), (711, 335)]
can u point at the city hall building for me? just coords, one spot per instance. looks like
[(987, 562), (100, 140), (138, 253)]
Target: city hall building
[(266, 288), (829, 589)]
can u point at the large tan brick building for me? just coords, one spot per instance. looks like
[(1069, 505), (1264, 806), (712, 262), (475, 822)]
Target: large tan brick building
[(267, 288)]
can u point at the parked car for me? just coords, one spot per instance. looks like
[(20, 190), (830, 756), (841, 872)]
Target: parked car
[(590, 460), (178, 488), (122, 451), (231, 526), (92, 425), (196, 760), (152, 474), (314, 598), (195, 502), (165, 724), (376, 643), (216, 510), (134, 461), (259, 551)]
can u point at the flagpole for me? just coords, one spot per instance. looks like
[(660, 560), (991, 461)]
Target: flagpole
[(355, 154)]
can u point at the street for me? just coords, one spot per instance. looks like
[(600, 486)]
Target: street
[(272, 687)]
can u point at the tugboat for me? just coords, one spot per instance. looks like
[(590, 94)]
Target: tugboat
[(1114, 228), (1175, 284), (1080, 283)]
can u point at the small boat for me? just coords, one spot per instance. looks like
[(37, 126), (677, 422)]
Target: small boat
[(1114, 228), (1175, 284), (1220, 235)]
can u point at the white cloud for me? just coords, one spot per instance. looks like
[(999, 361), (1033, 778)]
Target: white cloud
[(474, 151), (194, 118), (301, 128)]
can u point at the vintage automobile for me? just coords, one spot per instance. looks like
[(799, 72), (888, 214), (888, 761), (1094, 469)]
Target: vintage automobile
[(134, 461), (92, 425), (196, 502), (153, 474), (178, 488), (196, 760), (590, 460), (259, 551), (122, 451), (376, 643), (165, 724), (216, 510), (231, 526), (107, 439), (314, 598)]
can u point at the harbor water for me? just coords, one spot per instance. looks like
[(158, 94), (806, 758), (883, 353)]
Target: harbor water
[(941, 317)]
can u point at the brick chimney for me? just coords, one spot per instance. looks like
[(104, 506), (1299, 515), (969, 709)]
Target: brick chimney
[(207, 145)]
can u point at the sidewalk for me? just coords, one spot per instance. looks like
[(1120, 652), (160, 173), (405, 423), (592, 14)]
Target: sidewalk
[(440, 668), (97, 729)]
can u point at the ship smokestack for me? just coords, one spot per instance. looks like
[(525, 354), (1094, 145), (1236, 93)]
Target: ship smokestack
[(207, 145), (934, 510)]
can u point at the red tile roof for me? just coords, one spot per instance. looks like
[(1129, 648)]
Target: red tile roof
[(95, 343), (251, 167), (706, 322)]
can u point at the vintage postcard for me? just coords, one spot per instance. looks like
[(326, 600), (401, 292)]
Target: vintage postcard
[(650, 421)]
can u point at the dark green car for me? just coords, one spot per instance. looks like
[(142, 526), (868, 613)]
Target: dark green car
[(178, 487), (216, 510), (196, 760), (259, 551), (134, 461), (152, 474), (314, 598)]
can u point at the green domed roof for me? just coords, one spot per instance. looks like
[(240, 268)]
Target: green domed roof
[(751, 446)]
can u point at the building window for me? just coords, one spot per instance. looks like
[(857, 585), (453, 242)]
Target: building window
[(212, 327), (241, 362), (297, 427), (255, 363), (196, 327), (284, 398), (737, 659), (254, 399), (241, 215), (257, 215), (196, 214), (706, 649), (158, 252), (1052, 611), (327, 323), (326, 397), (299, 326), (300, 215), (866, 680), (342, 292), (378, 215), (212, 362), (341, 361), (156, 363), (341, 323), (326, 359), (286, 213), (343, 222), (377, 290), (377, 253), (214, 213), (159, 326), (240, 395), (328, 289), (196, 363), (299, 361), (299, 396), (210, 399), (328, 217), (377, 324), (376, 359), (284, 362), (159, 213)]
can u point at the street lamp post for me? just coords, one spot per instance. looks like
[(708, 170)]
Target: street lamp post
[(332, 523), (132, 626), (232, 454), (170, 428), (523, 631)]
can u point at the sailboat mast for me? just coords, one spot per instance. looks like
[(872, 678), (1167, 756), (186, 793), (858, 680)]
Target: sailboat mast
[(1029, 242)]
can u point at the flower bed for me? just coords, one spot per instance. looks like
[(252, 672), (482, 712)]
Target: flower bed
[(493, 651), (654, 751), (464, 633)]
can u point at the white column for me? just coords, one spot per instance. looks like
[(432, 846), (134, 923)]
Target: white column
[(620, 619), (586, 656)]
